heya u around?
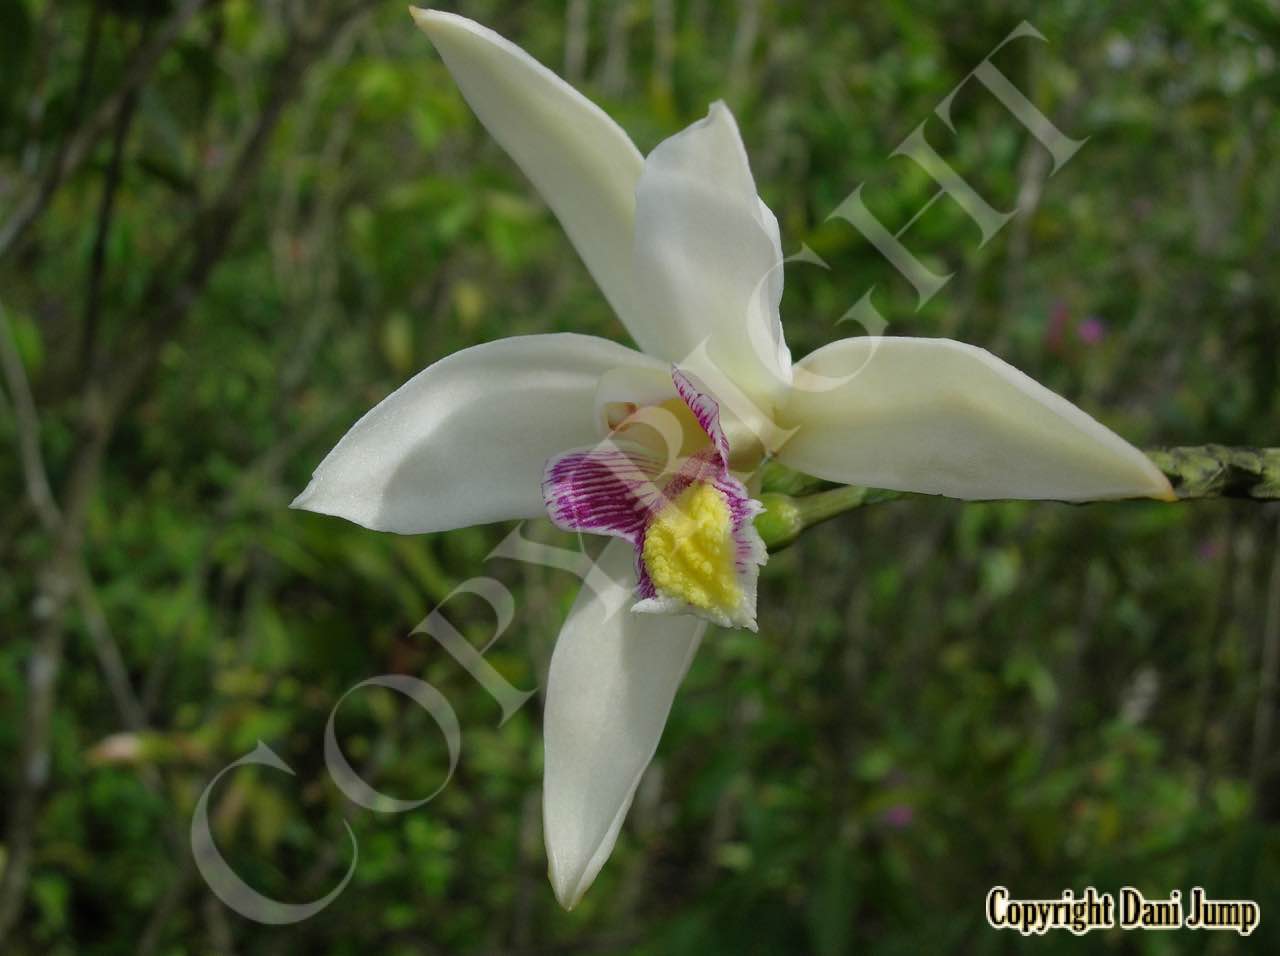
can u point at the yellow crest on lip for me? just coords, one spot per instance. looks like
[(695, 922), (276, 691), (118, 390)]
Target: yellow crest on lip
[(689, 550)]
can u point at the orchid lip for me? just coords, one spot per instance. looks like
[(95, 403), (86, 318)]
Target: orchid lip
[(661, 480)]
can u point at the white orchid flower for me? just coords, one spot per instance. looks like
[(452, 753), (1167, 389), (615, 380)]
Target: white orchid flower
[(689, 258)]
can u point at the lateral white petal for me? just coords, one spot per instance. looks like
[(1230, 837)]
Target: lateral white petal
[(465, 441), (708, 257), (580, 160), (942, 417), (612, 679)]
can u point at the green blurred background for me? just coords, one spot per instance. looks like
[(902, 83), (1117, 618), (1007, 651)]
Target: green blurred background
[(231, 227)]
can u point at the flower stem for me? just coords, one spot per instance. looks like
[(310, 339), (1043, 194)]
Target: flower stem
[(794, 501), (1217, 471)]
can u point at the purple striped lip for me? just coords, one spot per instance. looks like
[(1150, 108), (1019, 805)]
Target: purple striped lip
[(617, 488)]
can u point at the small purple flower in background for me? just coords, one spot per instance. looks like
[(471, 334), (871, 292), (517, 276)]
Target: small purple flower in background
[(1091, 331), (1210, 549), (898, 817), (1058, 337), (214, 157)]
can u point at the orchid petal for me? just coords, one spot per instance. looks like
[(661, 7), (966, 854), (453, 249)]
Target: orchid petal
[(607, 489), (613, 677), (708, 258), (706, 410), (583, 163), (941, 417), (466, 441)]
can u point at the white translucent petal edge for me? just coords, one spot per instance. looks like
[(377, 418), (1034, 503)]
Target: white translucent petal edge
[(580, 160), (612, 680), (465, 441), (708, 258), (941, 417)]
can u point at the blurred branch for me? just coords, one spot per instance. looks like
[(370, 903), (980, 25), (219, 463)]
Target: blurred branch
[(107, 650), (33, 763), (56, 584), (106, 208), (34, 473), (46, 654), (193, 256), (46, 508), (795, 502), (664, 49), (169, 903), (165, 304), (42, 49), (745, 35), (575, 39), (613, 74), (39, 94), (86, 137)]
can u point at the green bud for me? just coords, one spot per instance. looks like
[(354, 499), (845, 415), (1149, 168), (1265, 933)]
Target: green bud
[(781, 521)]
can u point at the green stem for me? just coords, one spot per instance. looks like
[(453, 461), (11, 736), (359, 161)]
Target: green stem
[(794, 502), (1216, 471)]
